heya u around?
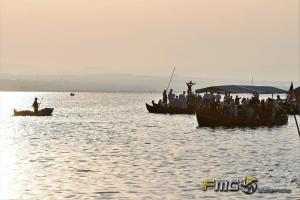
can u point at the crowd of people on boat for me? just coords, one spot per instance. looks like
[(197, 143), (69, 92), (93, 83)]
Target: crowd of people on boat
[(226, 105), (252, 108), (181, 101)]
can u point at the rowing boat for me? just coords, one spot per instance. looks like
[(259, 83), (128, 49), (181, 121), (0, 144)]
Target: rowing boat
[(42, 112)]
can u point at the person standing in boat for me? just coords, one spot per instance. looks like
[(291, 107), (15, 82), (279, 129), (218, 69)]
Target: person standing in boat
[(35, 105), (182, 100), (226, 98), (170, 97), (165, 97), (237, 100), (190, 84)]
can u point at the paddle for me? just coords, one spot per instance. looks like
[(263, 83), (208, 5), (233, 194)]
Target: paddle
[(41, 101)]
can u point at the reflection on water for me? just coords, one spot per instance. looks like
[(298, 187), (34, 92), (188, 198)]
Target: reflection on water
[(106, 145)]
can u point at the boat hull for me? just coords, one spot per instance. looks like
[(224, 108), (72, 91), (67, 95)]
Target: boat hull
[(42, 112), (290, 108), (169, 110), (214, 120)]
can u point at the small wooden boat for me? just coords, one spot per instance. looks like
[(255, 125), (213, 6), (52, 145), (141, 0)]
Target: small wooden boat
[(207, 119), (42, 112), (169, 110)]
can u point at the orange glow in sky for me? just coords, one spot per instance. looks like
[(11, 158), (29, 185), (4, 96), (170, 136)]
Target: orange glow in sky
[(200, 37)]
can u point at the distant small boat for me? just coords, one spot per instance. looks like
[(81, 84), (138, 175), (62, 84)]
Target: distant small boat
[(42, 112), (72, 94), (169, 110)]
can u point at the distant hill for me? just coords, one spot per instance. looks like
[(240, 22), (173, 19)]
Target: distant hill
[(113, 83)]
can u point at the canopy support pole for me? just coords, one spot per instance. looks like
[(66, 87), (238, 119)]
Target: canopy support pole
[(297, 124)]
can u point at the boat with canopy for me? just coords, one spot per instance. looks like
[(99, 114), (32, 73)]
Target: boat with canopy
[(208, 114), (240, 89)]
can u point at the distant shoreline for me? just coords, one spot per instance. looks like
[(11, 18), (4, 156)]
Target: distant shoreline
[(118, 83), (53, 91)]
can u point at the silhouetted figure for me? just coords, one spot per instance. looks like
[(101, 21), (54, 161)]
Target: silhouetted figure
[(35, 105), (218, 98), (226, 98), (237, 100), (153, 103), (278, 98), (190, 84), (170, 97), (165, 97)]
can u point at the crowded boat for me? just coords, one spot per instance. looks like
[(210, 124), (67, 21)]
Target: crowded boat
[(213, 110), (217, 106), (171, 103)]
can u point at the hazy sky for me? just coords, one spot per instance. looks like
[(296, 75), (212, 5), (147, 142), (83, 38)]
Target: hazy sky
[(206, 38)]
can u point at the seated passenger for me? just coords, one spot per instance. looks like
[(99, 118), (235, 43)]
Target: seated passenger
[(206, 97), (212, 97), (170, 97), (176, 102), (218, 98), (160, 103), (278, 99), (226, 98)]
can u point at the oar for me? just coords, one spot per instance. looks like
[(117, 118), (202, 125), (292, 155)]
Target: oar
[(41, 101), (297, 124)]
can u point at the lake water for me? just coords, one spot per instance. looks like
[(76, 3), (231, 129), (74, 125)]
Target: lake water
[(107, 146)]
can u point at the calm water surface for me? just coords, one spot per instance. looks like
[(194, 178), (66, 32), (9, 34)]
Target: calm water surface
[(107, 146)]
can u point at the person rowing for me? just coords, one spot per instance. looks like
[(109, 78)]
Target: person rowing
[(36, 105)]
